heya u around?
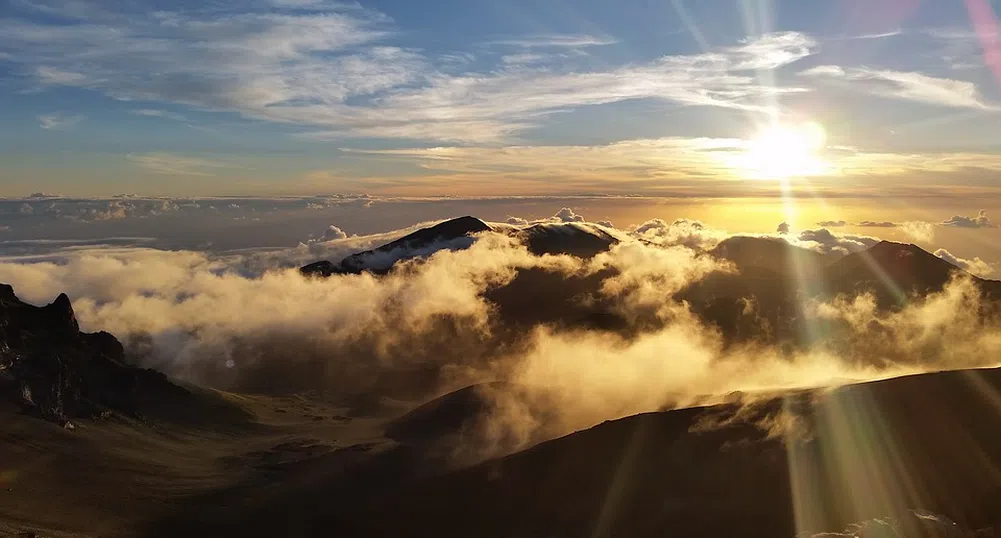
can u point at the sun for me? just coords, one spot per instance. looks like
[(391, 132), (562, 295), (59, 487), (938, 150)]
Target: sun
[(785, 152)]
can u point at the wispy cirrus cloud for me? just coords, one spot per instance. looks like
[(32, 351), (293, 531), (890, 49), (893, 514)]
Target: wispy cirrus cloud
[(557, 40), (58, 122), (332, 69), (908, 86), (51, 76), (157, 113), (182, 165)]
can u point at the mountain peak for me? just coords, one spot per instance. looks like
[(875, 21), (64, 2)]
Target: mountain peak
[(450, 234), (895, 246), (61, 317)]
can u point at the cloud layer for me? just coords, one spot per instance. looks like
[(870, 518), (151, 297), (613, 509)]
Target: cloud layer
[(249, 322)]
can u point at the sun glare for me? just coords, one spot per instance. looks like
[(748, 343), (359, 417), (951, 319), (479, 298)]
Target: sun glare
[(785, 152)]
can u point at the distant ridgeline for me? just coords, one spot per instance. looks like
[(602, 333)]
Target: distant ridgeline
[(775, 274)]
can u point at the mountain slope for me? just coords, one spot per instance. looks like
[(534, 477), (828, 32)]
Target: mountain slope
[(771, 253), (451, 234), (895, 271), (726, 471)]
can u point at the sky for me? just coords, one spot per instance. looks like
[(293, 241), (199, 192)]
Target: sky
[(659, 98)]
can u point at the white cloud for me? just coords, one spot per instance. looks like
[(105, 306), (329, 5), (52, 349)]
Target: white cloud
[(157, 113), (333, 233), (524, 58), (565, 41), (979, 221), (168, 163), (918, 230), (824, 70), (827, 242), (331, 68), (58, 122), (907, 85), (975, 266), (567, 215), (771, 51), (58, 77)]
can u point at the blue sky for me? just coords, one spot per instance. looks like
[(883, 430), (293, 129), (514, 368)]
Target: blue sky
[(453, 97)]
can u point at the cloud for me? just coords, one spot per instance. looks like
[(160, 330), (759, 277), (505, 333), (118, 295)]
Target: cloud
[(907, 85), (567, 215), (979, 221), (783, 228), (689, 233), (976, 266), (335, 71), (58, 122), (918, 230), (771, 51), (157, 113), (192, 314), (681, 167), (333, 233), (523, 58), (827, 242), (58, 77), (823, 70), (921, 231), (171, 164), (561, 41), (880, 35), (961, 47)]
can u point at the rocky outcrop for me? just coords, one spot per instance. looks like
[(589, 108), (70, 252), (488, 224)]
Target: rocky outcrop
[(60, 373)]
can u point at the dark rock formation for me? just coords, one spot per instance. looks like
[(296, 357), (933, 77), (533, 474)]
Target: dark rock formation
[(56, 371)]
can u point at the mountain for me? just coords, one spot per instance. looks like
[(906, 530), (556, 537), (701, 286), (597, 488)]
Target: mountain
[(771, 253), (59, 373), (752, 470), (574, 238), (894, 272), (451, 234), (901, 458), (764, 297)]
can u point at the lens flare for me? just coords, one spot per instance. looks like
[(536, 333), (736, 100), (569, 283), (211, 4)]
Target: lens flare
[(785, 152)]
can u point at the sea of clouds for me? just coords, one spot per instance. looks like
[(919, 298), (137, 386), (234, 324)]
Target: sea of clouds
[(248, 320)]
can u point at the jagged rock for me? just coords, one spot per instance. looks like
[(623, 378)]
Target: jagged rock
[(59, 373)]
